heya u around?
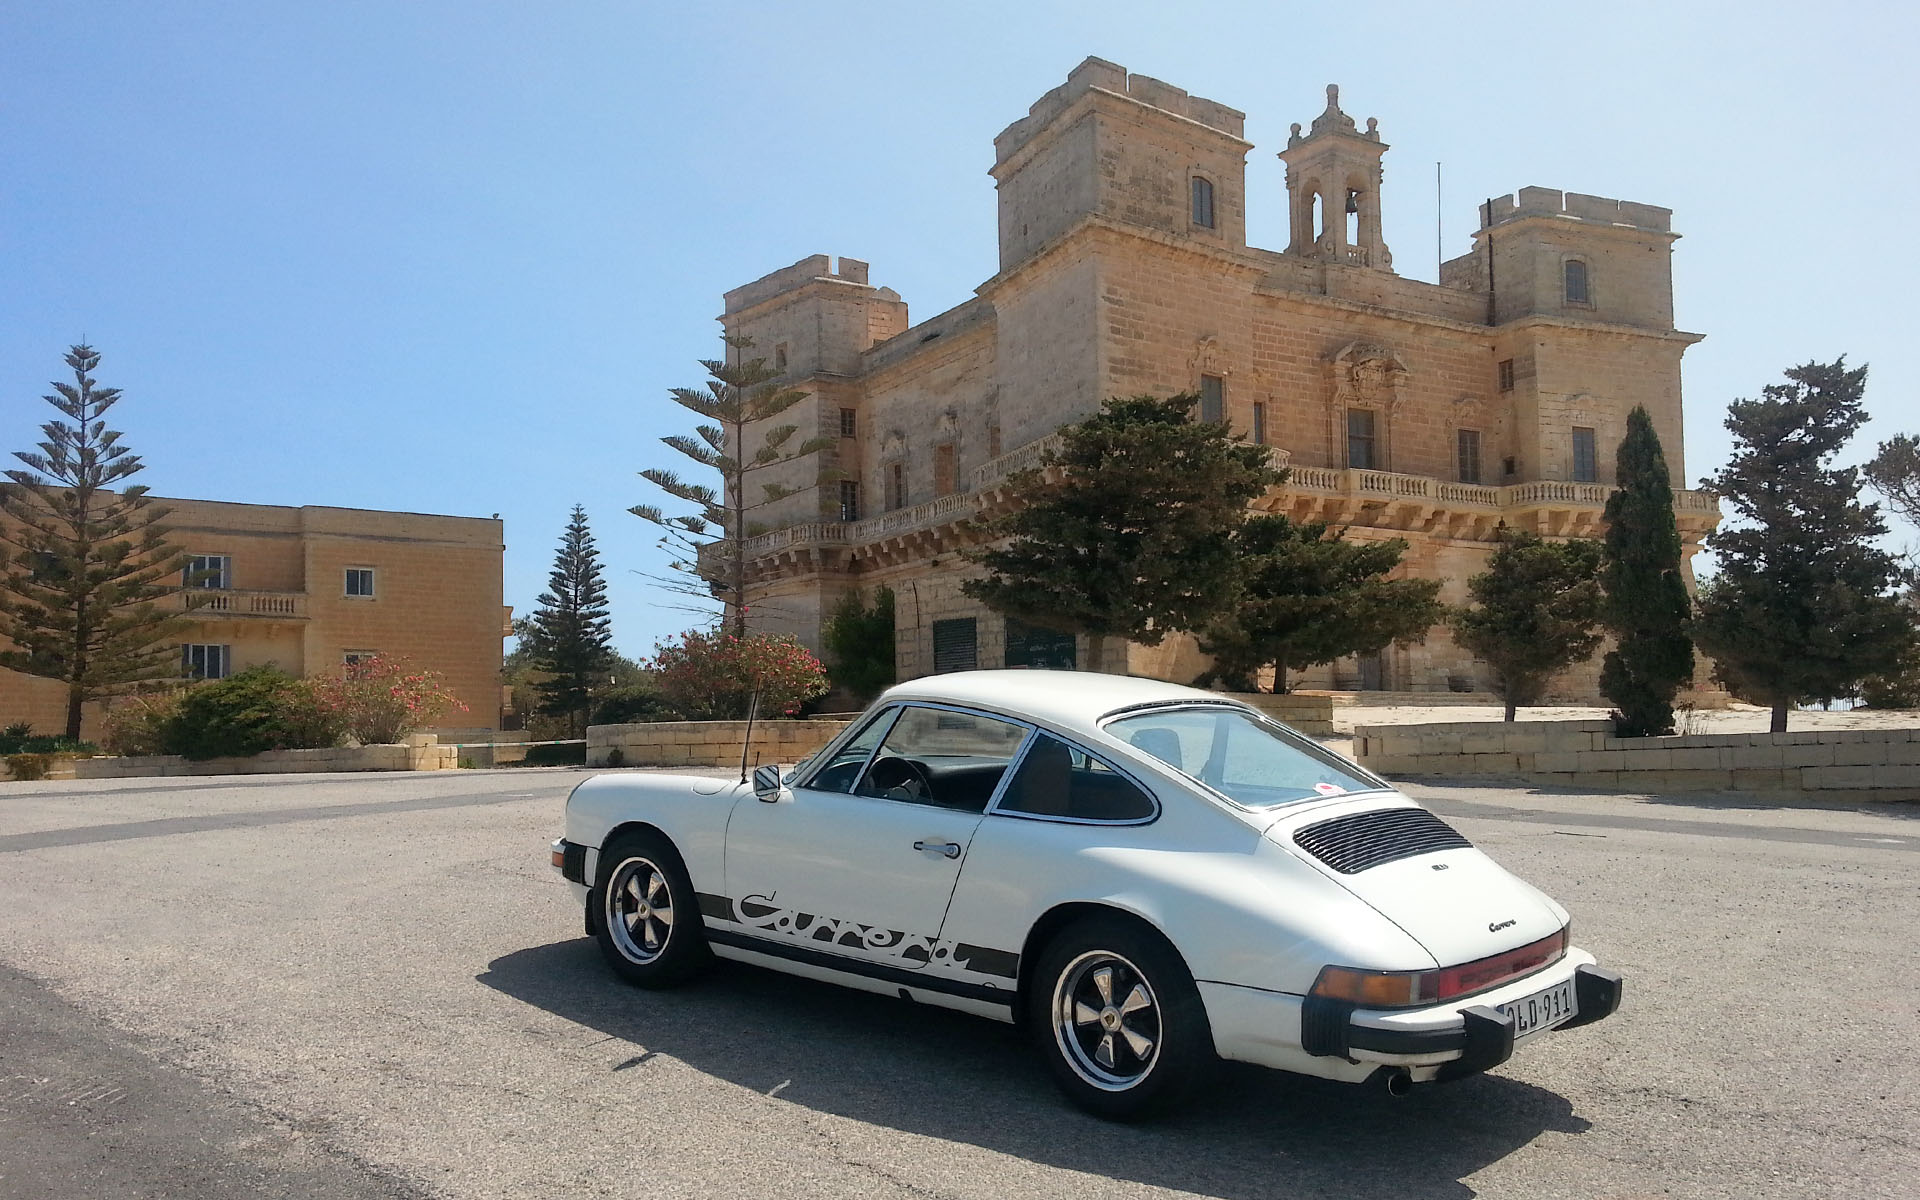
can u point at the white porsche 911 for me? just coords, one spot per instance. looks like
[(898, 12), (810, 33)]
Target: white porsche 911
[(1146, 875)]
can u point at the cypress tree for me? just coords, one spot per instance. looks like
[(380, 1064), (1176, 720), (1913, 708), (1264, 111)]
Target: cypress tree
[(83, 567), (570, 632), (1801, 607), (1647, 607), (1310, 596), (1536, 613), (1134, 536)]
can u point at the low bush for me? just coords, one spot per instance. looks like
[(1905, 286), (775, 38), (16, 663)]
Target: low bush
[(137, 724), (572, 755), (713, 676), (632, 705), (381, 700), (259, 709), (29, 766), (20, 739)]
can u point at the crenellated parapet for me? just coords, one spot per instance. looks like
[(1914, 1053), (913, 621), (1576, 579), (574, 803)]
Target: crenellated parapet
[(1600, 210)]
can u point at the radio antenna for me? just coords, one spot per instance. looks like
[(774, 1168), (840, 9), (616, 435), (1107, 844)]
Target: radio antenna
[(753, 706)]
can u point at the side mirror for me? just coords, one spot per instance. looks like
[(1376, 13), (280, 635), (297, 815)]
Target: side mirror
[(766, 784)]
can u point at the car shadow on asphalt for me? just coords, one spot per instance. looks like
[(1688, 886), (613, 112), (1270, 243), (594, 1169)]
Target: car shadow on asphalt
[(921, 1070)]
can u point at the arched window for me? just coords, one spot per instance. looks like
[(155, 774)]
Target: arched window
[(1576, 282), (1203, 202)]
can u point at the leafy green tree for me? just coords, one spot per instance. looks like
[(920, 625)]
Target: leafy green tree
[(1134, 538), (1801, 607), (859, 643), (1309, 596), (83, 568), (1895, 474), (709, 544), (1647, 607), (1536, 612), (570, 635)]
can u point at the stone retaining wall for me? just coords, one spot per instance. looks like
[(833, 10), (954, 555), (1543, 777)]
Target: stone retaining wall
[(421, 752), (1860, 764), (1311, 715), (706, 743)]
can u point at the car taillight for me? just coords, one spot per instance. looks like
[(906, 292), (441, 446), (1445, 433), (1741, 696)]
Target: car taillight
[(1405, 989)]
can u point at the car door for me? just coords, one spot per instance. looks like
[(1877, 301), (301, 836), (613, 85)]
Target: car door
[(860, 857)]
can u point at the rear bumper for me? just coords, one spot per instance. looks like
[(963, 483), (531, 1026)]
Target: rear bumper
[(1336, 1041)]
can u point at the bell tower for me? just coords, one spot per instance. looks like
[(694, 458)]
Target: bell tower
[(1333, 189)]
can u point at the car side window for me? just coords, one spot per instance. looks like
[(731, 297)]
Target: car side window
[(1059, 780), (843, 769), (943, 758)]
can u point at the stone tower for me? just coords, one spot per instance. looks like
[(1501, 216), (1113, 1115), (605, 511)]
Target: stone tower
[(1333, 174)]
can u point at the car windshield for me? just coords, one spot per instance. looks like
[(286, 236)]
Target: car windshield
[(1243, 757)]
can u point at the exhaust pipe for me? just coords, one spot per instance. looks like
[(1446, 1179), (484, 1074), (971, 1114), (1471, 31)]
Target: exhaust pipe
[(1396, 1081)]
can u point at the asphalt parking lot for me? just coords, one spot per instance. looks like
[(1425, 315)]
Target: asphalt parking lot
[(359, 986)]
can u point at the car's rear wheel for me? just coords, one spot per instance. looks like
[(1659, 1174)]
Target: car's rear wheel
[(1118, 1018), (646, 919)]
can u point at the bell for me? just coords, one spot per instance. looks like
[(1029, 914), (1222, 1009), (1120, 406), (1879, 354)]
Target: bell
[(1353, 201)]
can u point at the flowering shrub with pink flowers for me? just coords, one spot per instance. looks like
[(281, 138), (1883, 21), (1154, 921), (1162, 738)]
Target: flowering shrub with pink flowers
[(381, 699), (711, 676)]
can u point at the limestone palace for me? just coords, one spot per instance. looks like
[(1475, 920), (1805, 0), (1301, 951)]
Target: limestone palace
[(1428, 412)]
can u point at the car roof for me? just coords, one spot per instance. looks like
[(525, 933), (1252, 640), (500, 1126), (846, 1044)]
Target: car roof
[(1067, 698)]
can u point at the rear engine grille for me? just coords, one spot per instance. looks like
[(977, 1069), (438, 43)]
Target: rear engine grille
[(1354, 843)]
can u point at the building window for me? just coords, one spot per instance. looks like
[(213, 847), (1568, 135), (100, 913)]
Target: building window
[(1469, 452), (208, 571), (1506, 374), (945, 470), (1360, 439), (993, 438), (1576, 282), (956, 645), (198, 661), (354, 658), (1202, 202), (360, 582), (1039, 648), (847, 426), (849, 500), (1585, 465), (1213, 399), (780, 357), (1259, 423), (896, 486)]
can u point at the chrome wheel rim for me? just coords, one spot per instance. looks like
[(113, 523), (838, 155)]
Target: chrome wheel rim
[(640, 910), (1106, 1021)]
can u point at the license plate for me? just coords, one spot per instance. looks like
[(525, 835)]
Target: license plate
[(1542, 1010)]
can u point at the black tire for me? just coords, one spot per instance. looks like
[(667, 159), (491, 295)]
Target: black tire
[(1121, 1065), (644, 913)]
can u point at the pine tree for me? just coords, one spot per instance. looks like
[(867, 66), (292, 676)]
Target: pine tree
[(87, 566), (1895, 474), (1647, 608), (570, 633), (1310, 596), (1801, 607), (709, 544), (1537, 609), (859, 642), (1134, 538)]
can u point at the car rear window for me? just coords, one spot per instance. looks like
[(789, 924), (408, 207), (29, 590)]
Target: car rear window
[(1242, 756)]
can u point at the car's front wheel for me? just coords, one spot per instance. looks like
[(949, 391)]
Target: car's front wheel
[(1118, 1018), (646, 918)]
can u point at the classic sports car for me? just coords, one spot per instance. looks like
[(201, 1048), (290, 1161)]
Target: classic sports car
[(1146, 875)]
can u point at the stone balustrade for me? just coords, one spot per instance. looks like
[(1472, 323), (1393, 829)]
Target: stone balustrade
[(240, 602)]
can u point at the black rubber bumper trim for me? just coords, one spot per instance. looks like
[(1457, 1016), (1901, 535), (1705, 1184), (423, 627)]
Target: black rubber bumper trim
[(573, 862), (1405, 1041), (1596, 993), (1489, 1042)]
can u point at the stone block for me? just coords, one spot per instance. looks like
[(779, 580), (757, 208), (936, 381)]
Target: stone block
[(1646, 758), (1493, 764), (1601, 760), (1561, 763), (1765, 779), (1754, 757), (1697, 758), (1802, 754), (1596, 779), (1860, 754)]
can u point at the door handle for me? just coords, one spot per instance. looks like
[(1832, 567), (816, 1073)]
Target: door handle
[(949, 849)]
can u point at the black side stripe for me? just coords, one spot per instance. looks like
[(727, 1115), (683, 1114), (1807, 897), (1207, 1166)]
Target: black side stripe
[(839, 962), (718, 907)]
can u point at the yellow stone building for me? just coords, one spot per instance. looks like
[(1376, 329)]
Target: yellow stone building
[(308, 588), (1429, 412)]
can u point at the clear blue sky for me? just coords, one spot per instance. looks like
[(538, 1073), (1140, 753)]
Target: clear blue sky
[(449, 257)]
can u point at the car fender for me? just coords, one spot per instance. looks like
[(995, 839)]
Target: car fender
[(1237, 908), (690, 810)]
